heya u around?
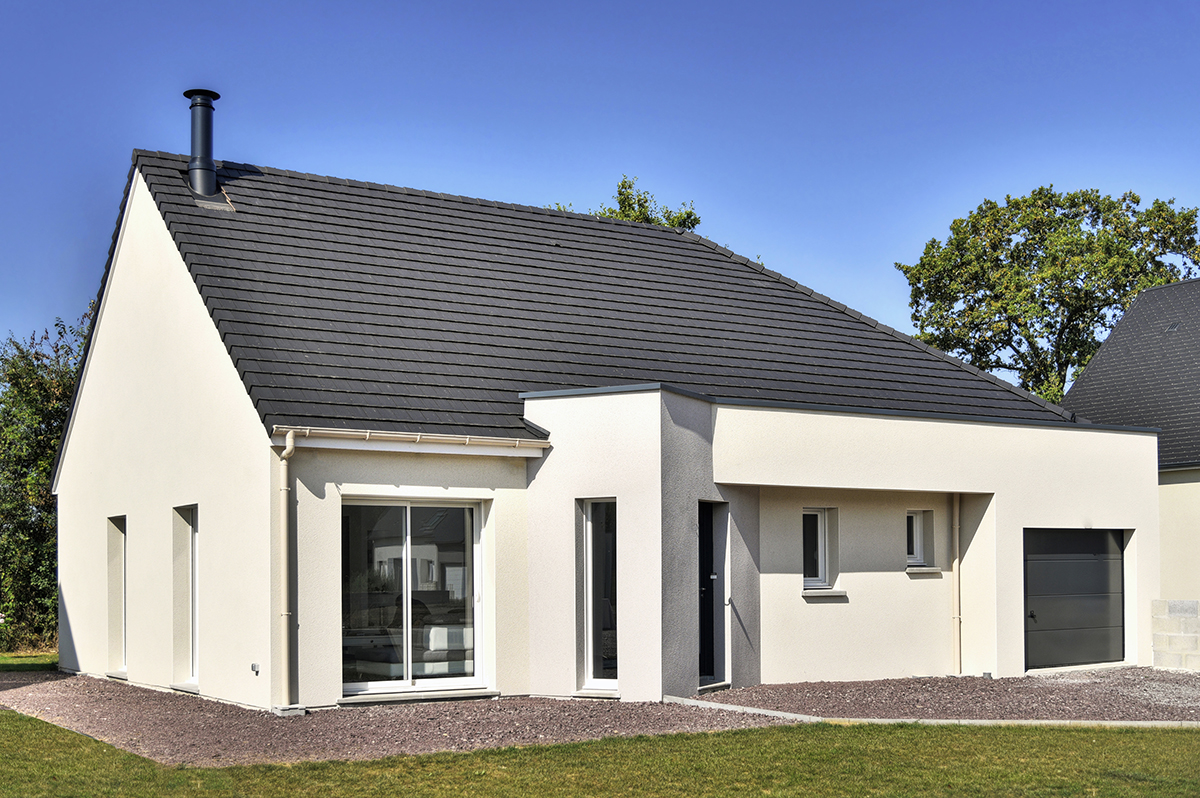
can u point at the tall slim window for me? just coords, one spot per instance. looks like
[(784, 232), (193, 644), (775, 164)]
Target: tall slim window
[(601, 577), (117, 648), (185, 597), (195, 595), (915, 539), (409, 592), (813, 543)]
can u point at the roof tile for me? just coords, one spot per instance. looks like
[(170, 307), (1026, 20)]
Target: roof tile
[(352, 304)]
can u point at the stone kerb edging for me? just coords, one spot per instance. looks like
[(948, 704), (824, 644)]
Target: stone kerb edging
[(774, 713), (798, 718)]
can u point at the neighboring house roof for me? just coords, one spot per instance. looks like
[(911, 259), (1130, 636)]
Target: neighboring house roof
[(1147, 373), (363, 306)]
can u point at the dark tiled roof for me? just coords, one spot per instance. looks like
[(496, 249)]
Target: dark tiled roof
[(1147, 373), (357, 305)]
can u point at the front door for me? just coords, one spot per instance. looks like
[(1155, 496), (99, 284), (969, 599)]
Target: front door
[(708, 591)]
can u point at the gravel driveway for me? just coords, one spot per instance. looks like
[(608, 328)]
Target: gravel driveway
[(174, 728), (1118, 694)]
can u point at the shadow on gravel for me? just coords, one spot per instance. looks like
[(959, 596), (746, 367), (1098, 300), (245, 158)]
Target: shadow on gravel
[(13, 679)]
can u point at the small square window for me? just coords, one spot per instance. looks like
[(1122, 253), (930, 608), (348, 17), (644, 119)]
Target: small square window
[(915, 538)]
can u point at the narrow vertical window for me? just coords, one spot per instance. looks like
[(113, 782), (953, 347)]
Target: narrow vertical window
[(117, 648), (195, 596), (816, 572), (185, 598), (915, 539), (601, 570)]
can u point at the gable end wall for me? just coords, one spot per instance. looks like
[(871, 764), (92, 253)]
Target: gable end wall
[(161, 421)]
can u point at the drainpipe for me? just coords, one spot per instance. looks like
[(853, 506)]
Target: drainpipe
[(285, 569), (956, 581)]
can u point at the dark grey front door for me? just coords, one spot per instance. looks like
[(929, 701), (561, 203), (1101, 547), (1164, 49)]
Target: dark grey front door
[(708, 661), (1074, 597)]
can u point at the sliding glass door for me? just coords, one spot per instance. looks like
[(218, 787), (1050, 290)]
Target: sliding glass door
[(409, 592)]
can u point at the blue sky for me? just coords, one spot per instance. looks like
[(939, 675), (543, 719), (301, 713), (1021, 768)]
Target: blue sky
[(829, 139)]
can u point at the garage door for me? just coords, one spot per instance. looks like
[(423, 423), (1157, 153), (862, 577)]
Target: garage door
[(1074, 597)]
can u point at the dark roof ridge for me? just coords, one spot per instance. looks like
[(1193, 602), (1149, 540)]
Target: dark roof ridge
[(819, 297), (463, 198), (1168, 285)]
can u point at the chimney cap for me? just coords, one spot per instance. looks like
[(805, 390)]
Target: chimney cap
[(209, 93)]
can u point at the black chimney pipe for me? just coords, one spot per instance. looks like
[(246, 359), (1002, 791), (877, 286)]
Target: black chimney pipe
[(202, 172)]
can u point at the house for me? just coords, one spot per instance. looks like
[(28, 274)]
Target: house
[(338, 442), (1147, 373)]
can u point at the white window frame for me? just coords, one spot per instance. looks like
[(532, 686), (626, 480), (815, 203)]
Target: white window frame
[(821, 580), (589, 615), (917, 555), (429, 685)]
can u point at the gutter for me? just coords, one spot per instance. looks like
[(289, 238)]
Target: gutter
[(409, 437)]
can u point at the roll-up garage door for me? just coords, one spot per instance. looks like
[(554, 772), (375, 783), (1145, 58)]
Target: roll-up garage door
[(1074, 597)]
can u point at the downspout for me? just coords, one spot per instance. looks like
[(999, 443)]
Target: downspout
[(285, 570), (956, 582)]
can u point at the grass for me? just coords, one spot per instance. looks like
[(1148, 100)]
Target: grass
[(29, 661), (40, 759)]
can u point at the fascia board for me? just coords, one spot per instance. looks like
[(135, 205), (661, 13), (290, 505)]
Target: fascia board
[(101, 302)]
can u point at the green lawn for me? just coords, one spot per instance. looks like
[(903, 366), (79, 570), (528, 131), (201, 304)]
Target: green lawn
[(47, 661), (39, 759)]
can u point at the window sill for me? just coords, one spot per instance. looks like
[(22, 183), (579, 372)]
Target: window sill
[(187, 687), (120, 676), (923, 570), (414, 697), (822, 593), (595, 693)]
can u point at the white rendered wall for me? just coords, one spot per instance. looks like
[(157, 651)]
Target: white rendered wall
[(1179, 505), (324, 478), (163, 421), (1020, 477), (889, 624), (604, 446), (686, 430)]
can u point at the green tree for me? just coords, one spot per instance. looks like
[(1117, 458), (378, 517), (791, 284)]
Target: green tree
[(1033, 285), (635, 205), (37, 382)]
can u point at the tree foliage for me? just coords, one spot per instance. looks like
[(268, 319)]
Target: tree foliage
[(1033, 285), (37, 382), (635, 205)]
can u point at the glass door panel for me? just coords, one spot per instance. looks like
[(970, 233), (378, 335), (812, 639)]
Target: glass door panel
[(602, 556), (373, 614), (443, 592)]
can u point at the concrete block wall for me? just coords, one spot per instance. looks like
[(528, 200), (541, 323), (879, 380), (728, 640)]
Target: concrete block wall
[(1176, 628)]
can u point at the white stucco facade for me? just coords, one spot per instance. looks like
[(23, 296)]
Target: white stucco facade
[(1011, 477), (163, 424), (162, 421)]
